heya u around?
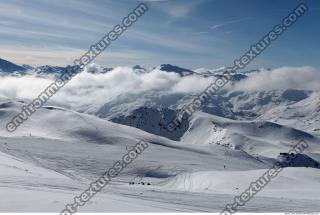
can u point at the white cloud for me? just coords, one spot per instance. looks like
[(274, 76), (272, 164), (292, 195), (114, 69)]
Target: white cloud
[(228, 23), (93, 68), (306, 77), (86, 89), (178, 10), (91, 91)]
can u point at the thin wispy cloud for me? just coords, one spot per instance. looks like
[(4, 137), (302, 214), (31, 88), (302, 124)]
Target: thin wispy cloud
[(171, 31), (202, 32), (178, 9), (228, 23)]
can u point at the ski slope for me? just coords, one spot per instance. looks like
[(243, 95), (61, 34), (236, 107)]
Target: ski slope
[(57, 153)]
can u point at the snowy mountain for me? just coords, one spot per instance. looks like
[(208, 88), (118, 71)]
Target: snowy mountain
[(8, 67), (304, 115), (57, 70), (139, 69), (154, 121), (95, 69), (208, 72), (171, 68), (27, 67), (239, 133), (50, 70), (58, 152), (131, 92), (232, 105)]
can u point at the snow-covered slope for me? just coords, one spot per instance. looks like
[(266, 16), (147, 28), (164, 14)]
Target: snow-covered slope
[(154, 121), (213, 156), (261, 140), (56, 153), (232, 105), (224, 183), (304, 114)]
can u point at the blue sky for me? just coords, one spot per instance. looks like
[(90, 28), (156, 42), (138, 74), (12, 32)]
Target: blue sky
[(189, 33)]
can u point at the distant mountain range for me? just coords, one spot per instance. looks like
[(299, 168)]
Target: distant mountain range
[(9, 67), (152, 110)]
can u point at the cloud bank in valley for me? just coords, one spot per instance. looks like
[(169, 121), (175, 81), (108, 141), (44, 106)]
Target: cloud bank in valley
[(305, 78), (94, 90)]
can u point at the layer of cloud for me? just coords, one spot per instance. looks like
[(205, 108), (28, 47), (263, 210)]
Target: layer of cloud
[(87, 89), (91, 91), (306, 78)]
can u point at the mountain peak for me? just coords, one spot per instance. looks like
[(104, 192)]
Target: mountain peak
[(6, 66), (137, 67), (171, 68), (27, 67)]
